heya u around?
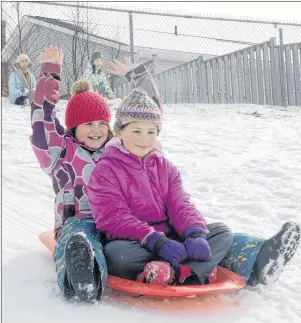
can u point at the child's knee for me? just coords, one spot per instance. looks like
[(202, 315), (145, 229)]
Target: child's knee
[(228, 234), (223, 231), (126, 255), (114, 249), (118, 253)]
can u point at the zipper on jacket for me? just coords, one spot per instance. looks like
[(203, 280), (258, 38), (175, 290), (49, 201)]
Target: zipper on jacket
[(143, 161)]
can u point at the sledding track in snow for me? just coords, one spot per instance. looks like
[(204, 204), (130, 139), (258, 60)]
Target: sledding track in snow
[(239, 168)]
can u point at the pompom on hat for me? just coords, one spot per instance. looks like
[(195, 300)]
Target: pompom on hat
[(137, 106), (85, 105)]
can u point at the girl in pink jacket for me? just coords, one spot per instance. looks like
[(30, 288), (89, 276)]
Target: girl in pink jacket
[(153, 233), (137, 199)]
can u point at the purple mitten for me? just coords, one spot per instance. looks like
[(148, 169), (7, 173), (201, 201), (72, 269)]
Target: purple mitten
[(196, 245), (169, 250)]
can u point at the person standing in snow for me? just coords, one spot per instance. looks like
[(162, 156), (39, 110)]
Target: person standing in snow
[(97, 76), (21, 81), (69, 157)]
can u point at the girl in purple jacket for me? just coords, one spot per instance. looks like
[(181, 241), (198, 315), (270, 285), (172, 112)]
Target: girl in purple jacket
[(69, 157), (153, 233)]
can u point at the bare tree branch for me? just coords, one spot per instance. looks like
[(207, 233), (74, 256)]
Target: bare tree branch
[(19, 26)]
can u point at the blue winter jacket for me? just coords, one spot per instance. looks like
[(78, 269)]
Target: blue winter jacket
[(15, 86)]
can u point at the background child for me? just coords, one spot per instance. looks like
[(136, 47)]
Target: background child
[(21, 81), (97, 76)]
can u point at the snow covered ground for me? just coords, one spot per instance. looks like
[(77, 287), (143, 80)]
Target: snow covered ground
[(241, 168)]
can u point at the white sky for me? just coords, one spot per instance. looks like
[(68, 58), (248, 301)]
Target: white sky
[(264, 10)]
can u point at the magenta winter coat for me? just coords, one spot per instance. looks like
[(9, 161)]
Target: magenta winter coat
[(130, 198)]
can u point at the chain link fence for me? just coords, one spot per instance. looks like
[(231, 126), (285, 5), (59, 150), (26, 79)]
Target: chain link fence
[(160, 39)]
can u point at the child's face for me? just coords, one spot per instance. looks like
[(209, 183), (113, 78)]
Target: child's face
[(93, 134), (98, 62), (24, 63), (139, 137)]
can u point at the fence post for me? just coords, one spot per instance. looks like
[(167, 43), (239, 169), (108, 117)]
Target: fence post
[(273, 71), (281, 56), (113, 78), (131, 36), (4, 65), (155, 64), (3, 33), (202, 80)]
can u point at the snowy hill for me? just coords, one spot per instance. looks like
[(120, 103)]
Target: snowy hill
[(240, 168)]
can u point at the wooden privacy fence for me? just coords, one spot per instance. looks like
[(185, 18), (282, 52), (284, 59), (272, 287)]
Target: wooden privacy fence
[(292, 75), (255, 75)]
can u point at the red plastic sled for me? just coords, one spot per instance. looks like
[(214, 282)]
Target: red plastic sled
[(227, 281)]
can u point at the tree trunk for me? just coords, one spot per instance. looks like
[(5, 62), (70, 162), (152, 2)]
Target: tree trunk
[(4, 65)]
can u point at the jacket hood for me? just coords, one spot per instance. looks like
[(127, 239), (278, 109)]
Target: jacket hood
[(114, 149)]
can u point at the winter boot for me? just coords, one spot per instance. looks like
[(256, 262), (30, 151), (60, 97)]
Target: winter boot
[(81, 268), (213, 277), (161, 273), (157, 273), (275, 253)]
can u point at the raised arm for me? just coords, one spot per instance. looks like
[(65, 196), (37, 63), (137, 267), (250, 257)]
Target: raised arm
[(139, 76), (47, 137)]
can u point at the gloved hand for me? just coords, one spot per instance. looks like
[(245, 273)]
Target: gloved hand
[(196, 245), (24, 92), (169, 250)]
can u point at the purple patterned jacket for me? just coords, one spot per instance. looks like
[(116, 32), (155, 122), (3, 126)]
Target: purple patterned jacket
[(67, 161)]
